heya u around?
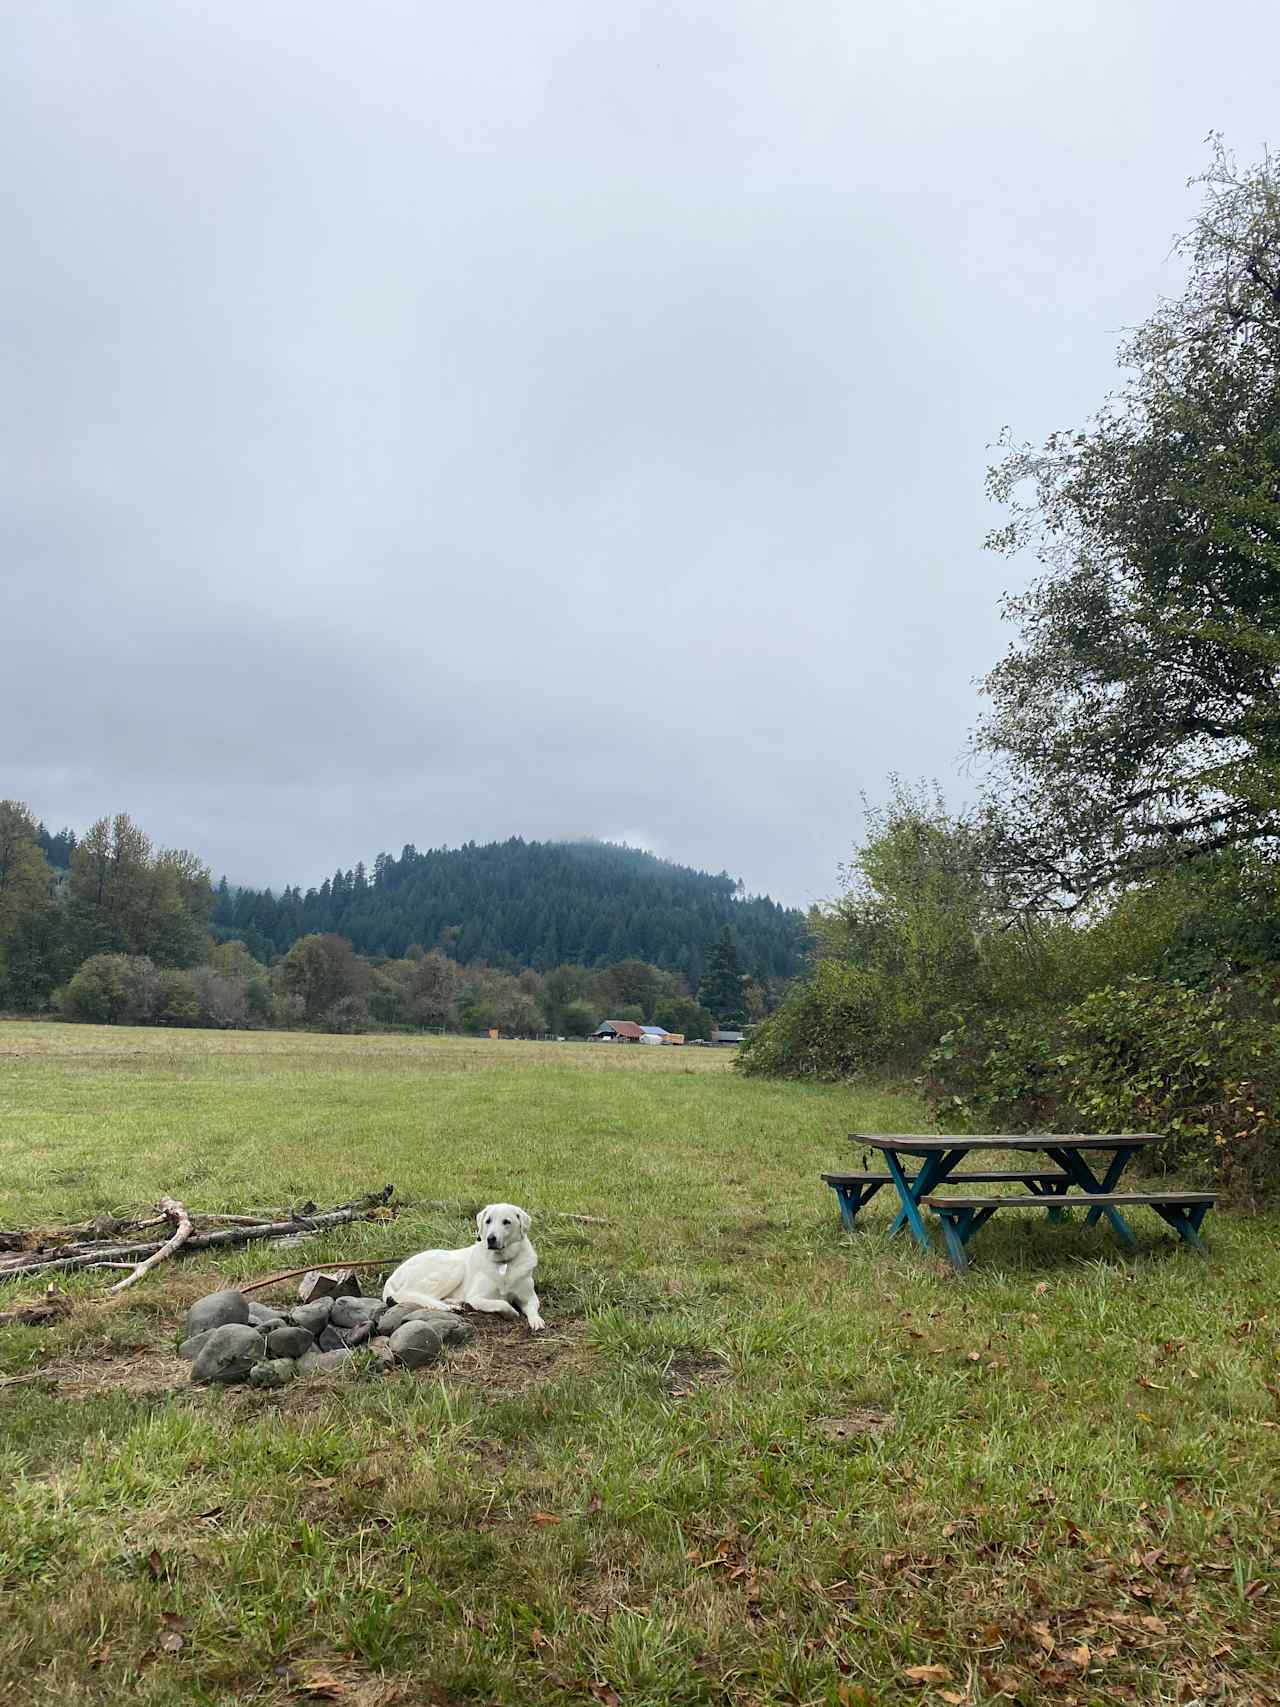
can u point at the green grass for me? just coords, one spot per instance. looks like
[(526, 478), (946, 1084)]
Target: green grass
[(1076, 1499)]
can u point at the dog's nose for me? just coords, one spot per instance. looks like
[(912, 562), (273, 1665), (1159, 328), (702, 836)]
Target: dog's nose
[(493, 1242)]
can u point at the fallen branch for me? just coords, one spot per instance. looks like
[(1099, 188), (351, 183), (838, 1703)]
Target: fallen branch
[(47, 1250), (173, 1211), (293, 1273), (55, 1306), (474, 1208), (204, 1241)]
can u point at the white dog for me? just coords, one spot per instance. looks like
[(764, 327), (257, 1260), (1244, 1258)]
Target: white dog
[(493, 1274)]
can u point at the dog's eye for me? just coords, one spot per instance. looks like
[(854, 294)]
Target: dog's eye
[(505, 1221)]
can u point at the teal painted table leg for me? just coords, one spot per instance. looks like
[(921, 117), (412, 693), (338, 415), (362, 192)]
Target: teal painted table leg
[(1073, 1163), (1111, 1178), (1185, 1222), (909, 1213), (1037, 1188), (852, 1198), (951, 1231), (934, 1172)]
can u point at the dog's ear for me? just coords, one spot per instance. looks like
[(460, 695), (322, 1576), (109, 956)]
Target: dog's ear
[(479, 1219), (526, 1220)]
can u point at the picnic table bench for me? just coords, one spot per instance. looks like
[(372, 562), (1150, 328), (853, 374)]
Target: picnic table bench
[(1047, 1188)]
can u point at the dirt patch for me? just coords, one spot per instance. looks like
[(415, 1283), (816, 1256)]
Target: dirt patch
[(686, 1371), (145, 1370), (504, 1358), (501, 1359), (858, 1424)]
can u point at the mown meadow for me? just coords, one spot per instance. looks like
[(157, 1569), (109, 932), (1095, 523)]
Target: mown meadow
[(753, 1459)]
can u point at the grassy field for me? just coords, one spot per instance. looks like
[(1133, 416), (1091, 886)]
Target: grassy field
[(753, 1460)]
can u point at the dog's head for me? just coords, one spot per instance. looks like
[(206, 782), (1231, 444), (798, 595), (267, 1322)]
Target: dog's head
[(500, 1225)]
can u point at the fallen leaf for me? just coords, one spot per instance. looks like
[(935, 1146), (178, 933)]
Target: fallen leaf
[(852, 1695), (99, 1658), (545, 1517), (606, 1693), (953, 1697), (173, 1641), (324, 1685), (155, 1564), (1041, 1288), (1080, 1656), (1043, 1636), (926, 1674), (538, 1638)]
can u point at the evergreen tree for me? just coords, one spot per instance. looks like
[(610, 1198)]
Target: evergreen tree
[(721, 989)]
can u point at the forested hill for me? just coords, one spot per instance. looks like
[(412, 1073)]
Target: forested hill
[(519, 903)]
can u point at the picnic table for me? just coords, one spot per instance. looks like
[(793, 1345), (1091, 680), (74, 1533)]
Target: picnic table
[(1070, 1183)]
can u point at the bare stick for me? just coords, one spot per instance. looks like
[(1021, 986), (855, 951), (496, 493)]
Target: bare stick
[(173, 1211), (293, 1273), (471, 1208)]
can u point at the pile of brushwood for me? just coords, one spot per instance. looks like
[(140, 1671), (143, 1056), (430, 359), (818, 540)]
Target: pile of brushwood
[(137, 1247)]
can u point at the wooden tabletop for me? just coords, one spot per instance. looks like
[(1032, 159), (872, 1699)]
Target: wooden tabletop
[(927, 1144)]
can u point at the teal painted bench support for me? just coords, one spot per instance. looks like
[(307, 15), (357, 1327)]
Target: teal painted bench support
[(1184, 1211)]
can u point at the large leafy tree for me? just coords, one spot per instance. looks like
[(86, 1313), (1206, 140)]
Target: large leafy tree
[(1136, 722), (24, 871), (126, 897)]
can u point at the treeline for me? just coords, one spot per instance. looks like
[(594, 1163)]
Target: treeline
[(323, 984), (519, 904), (123, 935), (1097, 946)]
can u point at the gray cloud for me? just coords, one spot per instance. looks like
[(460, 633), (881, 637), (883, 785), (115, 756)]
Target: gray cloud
[(550, 420)]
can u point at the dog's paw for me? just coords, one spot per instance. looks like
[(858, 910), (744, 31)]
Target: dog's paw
[(535, 1322)]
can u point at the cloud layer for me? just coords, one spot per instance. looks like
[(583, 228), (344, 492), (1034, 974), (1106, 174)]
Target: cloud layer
[(550, 420)]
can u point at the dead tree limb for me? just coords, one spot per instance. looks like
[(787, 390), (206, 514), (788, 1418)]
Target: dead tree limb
[(203, 1241), (174, 1212)]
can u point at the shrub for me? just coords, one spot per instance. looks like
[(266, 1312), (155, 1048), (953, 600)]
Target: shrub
[(987, 1071), (1200, 1067), (109, 989), (172, 1000), (831, 1027)]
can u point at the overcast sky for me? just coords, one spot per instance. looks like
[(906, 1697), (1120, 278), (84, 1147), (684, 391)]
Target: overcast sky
[(424, 423)]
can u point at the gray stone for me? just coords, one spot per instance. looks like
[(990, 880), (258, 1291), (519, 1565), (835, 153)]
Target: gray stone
[(262, 1316), (216, 1311), (274, 1372), (313, 1317), (416, 1344), (329, 1339), (451, 1328), (341, 1283), (228, 1353), (317, 1362), (355, 1312), (189, 1348), (395, 1316), (285, 1341)]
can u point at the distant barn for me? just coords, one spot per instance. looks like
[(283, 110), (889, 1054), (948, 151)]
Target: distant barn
[(618, 1031)]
